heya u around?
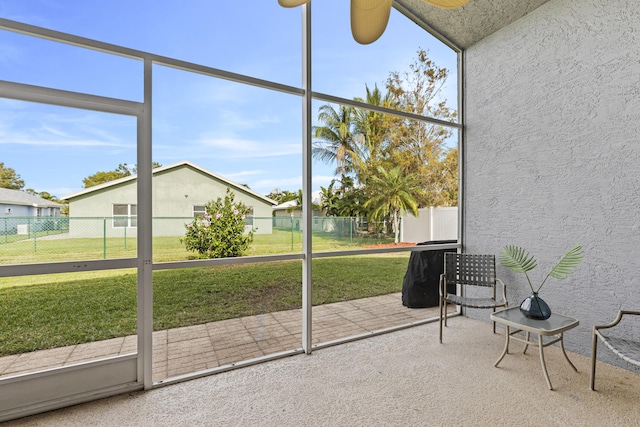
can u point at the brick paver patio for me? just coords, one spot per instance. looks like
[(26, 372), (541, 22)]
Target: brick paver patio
[(195, 348)]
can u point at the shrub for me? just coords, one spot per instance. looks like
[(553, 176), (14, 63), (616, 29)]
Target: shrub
[(220, 232)]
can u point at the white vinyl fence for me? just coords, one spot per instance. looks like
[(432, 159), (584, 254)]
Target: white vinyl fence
[(431, 224)]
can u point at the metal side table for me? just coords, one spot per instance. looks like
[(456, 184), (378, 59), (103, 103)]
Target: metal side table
[(555, 326)]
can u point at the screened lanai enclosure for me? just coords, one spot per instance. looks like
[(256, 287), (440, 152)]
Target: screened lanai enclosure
[(523, 115), (128, 308)]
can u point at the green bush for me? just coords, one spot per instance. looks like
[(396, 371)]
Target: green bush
[(220, 232)]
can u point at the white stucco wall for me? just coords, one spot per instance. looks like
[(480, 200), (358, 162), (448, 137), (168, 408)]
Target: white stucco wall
[(552, 149)]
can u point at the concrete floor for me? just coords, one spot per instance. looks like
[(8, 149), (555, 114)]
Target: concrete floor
[(404, 378)]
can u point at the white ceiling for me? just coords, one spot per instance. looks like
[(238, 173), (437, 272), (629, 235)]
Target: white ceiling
[(472, 22)]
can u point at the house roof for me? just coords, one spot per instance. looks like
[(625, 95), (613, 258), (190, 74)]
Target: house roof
[(467, 25), (169, 168), (18, 197)]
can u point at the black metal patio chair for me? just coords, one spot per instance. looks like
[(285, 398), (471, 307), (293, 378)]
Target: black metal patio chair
[(469, 270)]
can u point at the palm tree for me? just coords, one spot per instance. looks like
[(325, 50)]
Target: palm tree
[(298, 205), (371, 129), (393, 195), (330, 198), (334, 141)]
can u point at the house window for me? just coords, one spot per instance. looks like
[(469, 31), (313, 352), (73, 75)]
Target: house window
[(125, 216), (199, 211), (248, 219)]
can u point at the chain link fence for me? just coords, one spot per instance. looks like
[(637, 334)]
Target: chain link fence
[(48, 239)]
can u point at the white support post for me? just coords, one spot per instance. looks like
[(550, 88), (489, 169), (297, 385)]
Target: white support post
[(307, 210), (145, 237), (461, 149)]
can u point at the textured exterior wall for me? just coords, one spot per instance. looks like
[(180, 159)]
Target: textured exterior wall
[(552, 150)]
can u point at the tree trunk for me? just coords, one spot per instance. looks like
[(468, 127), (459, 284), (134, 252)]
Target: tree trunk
[(395, 227)]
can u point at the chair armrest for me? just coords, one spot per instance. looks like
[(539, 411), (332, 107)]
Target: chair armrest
[(617, 319), (628, 350), (504, 290)]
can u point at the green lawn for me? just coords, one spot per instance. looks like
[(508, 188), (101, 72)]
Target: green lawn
[(54, 248), (47, 311), (64, 309)]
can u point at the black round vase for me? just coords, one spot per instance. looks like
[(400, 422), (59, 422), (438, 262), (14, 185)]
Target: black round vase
[(534, 307)]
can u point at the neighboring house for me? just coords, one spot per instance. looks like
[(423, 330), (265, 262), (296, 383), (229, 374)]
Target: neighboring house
[(22, 213), (20, 203), (180, 192), (290, 207), (289, 215)]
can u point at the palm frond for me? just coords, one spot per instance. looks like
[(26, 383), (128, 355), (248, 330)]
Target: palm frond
[(568, 263), (517, 259)]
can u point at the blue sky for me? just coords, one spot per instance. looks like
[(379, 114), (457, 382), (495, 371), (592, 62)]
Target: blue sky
[(246, 134)]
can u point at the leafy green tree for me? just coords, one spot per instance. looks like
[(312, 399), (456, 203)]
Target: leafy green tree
[(102, 177), (330, 199), (417, 145), (298, 204), (419, 89), (361, 141), (352, 199), (443, 186), (280, 196), (9, 178), (44, 194), (346, 200), (393, 196), (123, 170), (220, 232)]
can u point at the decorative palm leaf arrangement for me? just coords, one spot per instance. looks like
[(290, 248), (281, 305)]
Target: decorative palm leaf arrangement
[(519, 261)]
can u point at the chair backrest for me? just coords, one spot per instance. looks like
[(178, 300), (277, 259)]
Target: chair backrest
[(470, 269)]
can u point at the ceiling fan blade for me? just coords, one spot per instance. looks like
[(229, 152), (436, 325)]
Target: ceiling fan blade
[(447, 4), (292, 3), (369, 19)]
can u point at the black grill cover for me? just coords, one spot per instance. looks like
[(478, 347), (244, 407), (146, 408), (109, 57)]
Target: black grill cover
[(420, 283)]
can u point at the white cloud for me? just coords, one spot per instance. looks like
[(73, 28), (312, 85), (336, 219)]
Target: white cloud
[(240, 121), (216, 92), (235, 148), (55, 131), (46, 129), (61, 191), (235, 176), (289, 183), (22, 140)]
